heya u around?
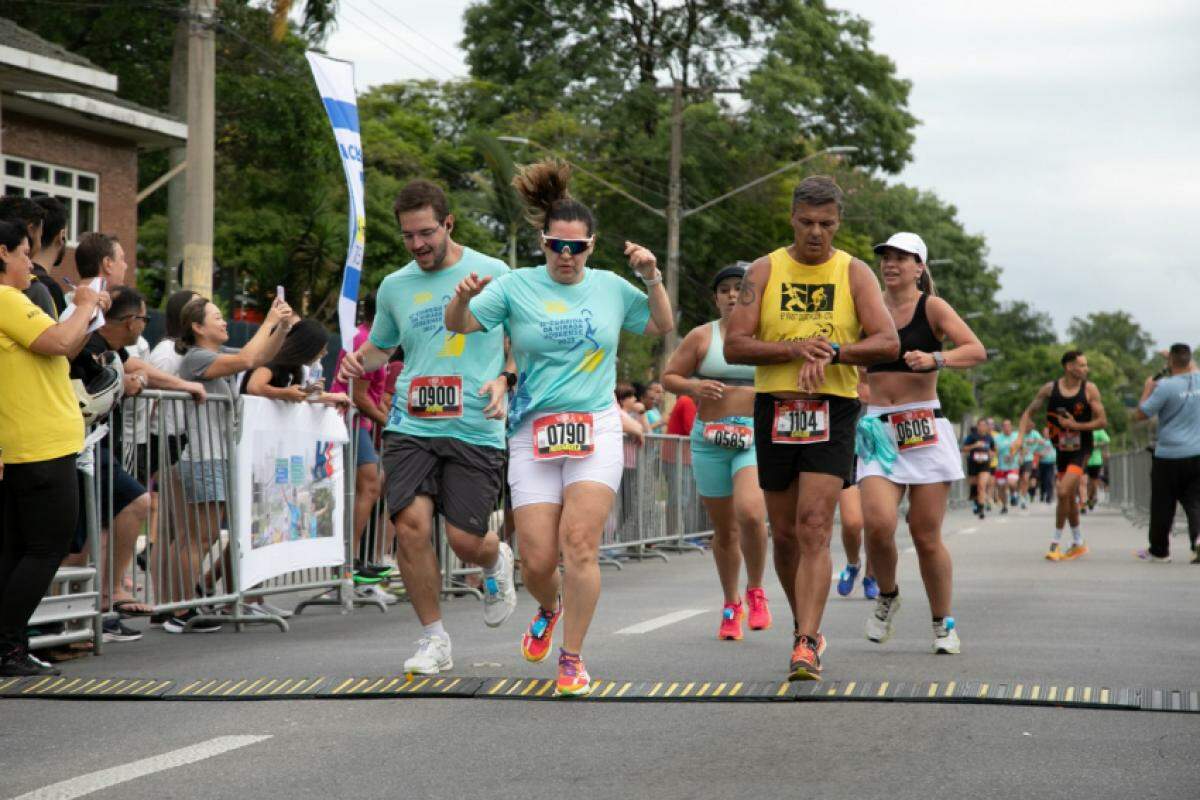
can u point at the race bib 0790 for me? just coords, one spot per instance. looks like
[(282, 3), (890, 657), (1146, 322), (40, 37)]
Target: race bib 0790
[(731, 437), (435, 397), (1069, 441), (800, 422), (914, 429), (563, 436)]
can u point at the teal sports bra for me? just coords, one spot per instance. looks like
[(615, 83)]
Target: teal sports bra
[(714, 367)]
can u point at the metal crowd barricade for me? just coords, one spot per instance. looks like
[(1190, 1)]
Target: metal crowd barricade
[(1129, 484), (185, 454), (70, 611)]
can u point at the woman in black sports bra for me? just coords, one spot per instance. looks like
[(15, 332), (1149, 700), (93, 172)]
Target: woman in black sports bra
[(915, 448)]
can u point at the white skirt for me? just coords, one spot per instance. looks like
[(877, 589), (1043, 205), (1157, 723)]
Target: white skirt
[(936, 463)]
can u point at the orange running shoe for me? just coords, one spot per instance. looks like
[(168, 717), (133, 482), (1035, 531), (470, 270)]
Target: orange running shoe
[(573, 678), (1053, 554), (731, 622), (760, 614), (536, 643), (1075, 551), (806, 663)]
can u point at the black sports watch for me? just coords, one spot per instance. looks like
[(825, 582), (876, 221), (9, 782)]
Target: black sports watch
[(837, 353), (511, 377)]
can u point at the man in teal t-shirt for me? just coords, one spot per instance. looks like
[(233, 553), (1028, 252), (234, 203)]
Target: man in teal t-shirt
[(1007, 464), (1029, 449), (443, 446)]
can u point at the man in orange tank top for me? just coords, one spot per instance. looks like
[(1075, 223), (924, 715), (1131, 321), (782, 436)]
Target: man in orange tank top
[(808, 315)]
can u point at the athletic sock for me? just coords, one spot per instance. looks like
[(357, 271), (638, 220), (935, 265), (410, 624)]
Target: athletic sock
[(494, 569), (1058, 534), (892, 594), (436, 629), (1076, 536)]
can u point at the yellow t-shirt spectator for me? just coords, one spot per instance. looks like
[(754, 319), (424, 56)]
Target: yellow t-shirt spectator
[(39, 415)]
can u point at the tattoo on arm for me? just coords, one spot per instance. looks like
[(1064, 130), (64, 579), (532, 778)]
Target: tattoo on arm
[(747, 295)]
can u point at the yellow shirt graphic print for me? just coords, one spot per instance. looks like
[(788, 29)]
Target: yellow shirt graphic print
[(453, 346), (803, 301)]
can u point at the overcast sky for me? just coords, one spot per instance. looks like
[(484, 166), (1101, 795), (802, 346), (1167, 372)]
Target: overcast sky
[(1067, 133)]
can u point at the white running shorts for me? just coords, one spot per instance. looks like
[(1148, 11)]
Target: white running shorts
[(537, 481), (935, 463)]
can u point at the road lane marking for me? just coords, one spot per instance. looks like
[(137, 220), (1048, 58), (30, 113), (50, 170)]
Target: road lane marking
[(663, 621), (103, 779), (968, 531)]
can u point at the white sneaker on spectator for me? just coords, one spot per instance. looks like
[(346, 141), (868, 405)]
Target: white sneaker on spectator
[(499, 593), (374, 592), (433, 656)]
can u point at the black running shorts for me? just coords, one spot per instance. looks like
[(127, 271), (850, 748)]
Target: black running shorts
[(463, 480), (780, 464), (1073, 460)]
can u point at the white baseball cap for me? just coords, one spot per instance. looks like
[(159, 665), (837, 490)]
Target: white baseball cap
[(906, 243)]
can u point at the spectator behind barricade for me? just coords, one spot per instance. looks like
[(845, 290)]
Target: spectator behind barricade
[(282, 378), (29, 215), (651, 399), (130, 505), (48, 260), (167, 417), (1173, 396), (633, 425), (203, 334), (367, 393), (394, 368), (41, 432)]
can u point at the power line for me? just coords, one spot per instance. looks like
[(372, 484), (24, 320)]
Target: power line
[(391, 33), (400, 53)]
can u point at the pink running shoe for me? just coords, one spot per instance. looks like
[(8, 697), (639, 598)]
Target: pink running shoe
[(731, 622), (760, 614)]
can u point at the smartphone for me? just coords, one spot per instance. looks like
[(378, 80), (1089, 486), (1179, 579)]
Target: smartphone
[(279, 293)]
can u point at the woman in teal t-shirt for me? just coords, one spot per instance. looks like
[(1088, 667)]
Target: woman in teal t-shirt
[(564, 321)]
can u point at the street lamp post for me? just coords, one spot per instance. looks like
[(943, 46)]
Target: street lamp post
[(674, 214)]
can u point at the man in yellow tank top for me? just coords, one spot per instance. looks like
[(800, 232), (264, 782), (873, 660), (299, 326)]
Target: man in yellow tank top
[(808, 316)]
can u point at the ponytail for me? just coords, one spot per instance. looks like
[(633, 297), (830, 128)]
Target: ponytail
[(925, 282), (544, 186)]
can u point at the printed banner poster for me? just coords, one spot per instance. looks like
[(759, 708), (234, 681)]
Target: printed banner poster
[(291, 488)]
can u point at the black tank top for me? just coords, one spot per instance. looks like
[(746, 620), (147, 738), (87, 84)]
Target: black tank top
[(1078, 407), (916, 335)]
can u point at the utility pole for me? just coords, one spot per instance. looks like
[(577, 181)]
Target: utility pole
[(177, 187), (674, 217), (198, 217)]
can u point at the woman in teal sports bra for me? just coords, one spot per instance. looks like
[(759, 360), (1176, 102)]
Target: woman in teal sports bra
[(723, 459)]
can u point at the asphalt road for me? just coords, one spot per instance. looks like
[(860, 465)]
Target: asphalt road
[(1105, 620)]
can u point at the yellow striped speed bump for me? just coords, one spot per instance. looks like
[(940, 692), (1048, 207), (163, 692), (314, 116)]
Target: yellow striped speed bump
[(401, 686), (666, 690), (85, 688)]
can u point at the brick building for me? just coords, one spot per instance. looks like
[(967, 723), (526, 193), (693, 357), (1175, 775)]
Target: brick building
[(64, 132)]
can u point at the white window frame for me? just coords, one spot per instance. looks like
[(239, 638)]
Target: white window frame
[(72, 194)]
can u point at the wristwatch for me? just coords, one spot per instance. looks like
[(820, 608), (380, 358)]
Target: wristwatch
[(511, 377), (652, 281), (939, 360), (837, 353)]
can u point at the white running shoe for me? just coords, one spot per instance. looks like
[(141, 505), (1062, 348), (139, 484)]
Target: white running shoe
[(374, 592), (883, 619), (499, 592), (945, 637), (433, 656)]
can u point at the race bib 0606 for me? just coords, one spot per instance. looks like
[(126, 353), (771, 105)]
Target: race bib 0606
[(800, 422), (563, 436), (435, 397), (732, 437), (916, 428), (980, 456)]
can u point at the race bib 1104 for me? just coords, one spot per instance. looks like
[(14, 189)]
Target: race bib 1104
[(800, 422)]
